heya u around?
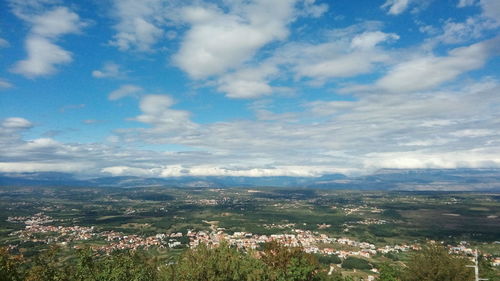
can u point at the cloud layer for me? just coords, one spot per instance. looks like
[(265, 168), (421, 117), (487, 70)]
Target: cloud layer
[(250, 88)]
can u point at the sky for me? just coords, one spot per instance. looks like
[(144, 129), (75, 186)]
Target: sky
[(164, 88)]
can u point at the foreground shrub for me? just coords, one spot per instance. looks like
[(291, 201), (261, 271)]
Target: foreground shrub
[(434, 262)]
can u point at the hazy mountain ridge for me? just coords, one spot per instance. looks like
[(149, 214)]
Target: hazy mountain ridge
[(385, 179)]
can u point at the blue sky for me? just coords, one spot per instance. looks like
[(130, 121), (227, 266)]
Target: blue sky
[(248, 88)]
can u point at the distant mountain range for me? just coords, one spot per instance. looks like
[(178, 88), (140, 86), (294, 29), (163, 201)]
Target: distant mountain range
[(385, 179)]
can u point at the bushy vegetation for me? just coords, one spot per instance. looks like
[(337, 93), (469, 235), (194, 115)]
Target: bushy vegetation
[(433, 263), (356, 263), (327, 260), (223, 263)]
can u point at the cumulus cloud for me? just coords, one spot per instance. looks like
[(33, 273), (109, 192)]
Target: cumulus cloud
[(342, 53), (435, 122), (345, 55), (109, 70), (248, 82), (471, 29), (44, 55), (428, 129), (426, 72), (43, 58), (165, 122), (127, 90), (491, 9), (218, 40), (140, 23), (396, 7), (369, 40), (16, 123), (313, 9)]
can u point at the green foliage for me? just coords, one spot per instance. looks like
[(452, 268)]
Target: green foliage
[(289, 264), (216, 264), (48, 267), (382, 230), (391, 256), (276, 263), (9, 266), (486, 270), (328, 259), (356, 263), (225, 263), (434, 262), (390, 273), (115, 267), (392, 214)]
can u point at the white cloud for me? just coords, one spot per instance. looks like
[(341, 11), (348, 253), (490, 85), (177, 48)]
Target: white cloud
[(368, 40), (465, 3), (130, 171), (208, 170), (55, 23), (491, 9), (474, 158), (16, 123), (43, 54), (347, 55), (71, 107), (139, 24), (433, 129), (158, 113), (471, 29), (29, 167), (311, 8), (91, 121), (218, 41), (347, 135), (458, 32), (109, 70), (474, 133), (43, 58), (127, 90), (396, 7), (248, 83), (426, 72), (4, 43), (4, 84)]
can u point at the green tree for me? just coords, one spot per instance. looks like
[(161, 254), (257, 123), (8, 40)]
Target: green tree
[(328, 259), (222, 263), (10, 266), (356, 263), (47, 266), (117, 266), (289, 264), (487, 271), (389, 273), (434, 263)]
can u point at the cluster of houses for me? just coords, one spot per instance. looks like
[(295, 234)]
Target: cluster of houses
[(310, 241), (36, 224), (306, 239), (36, 219), (119, 241)]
